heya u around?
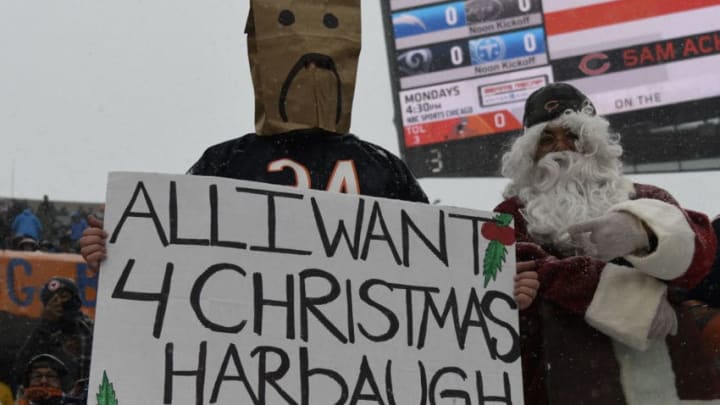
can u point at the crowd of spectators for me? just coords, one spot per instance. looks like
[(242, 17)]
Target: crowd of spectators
[(52, 364), (44, 225)]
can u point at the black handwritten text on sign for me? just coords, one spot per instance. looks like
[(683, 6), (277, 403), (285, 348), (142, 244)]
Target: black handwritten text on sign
[(241, 292)]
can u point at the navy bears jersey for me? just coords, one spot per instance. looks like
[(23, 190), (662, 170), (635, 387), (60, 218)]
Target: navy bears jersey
[(313, 159)]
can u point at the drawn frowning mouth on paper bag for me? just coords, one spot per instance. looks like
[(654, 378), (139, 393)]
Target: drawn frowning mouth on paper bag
[(319, 72)]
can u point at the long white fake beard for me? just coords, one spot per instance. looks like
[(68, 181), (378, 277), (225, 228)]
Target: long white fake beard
[(568, 188)]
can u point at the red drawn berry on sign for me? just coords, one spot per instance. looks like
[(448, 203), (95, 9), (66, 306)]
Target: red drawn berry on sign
[(507, 235), (489, 231), (502, 234)]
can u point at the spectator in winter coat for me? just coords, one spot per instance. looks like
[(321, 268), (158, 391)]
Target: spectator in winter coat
[(64, 331), (26, 225), (43, 383)]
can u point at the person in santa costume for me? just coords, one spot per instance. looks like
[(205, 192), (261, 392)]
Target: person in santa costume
[(607, 326)]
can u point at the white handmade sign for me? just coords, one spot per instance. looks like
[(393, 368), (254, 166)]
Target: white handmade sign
[(233, 292)]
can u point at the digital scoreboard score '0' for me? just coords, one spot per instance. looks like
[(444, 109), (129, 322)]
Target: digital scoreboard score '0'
[(473, 57), (429, 20), (457, 20)]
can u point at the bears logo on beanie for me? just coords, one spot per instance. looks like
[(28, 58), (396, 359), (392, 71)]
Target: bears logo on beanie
[(550, 101), (56, 284)]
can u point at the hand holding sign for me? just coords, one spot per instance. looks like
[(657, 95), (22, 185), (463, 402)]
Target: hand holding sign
[(92, 243), (526, 284)]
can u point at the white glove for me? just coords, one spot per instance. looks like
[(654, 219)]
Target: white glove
[(614, 235), (665, 321)]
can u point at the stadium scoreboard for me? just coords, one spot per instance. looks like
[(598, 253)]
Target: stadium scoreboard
[(461, 71)]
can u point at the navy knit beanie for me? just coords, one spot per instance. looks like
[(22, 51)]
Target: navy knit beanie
[(549, 102), (56, 284)]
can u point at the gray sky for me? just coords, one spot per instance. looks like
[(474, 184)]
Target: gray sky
[(92, 86)]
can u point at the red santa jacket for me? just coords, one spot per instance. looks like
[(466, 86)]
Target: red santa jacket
[(585, 338)]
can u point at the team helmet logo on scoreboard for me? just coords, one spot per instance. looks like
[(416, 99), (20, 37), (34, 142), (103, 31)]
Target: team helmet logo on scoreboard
[(487, 50), (478, 11), (415, 61), (409, 21)]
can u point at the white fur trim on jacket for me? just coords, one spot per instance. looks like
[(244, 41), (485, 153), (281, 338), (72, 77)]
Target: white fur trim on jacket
[(648, 377), (624, 305), (675, 237)]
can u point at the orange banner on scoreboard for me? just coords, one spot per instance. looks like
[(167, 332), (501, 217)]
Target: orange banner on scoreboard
[(616, 12), (23, 274)]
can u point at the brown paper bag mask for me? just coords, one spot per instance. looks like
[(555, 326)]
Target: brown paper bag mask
[(303, 60)]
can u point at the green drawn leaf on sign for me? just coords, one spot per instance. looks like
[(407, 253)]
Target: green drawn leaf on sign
[(106, 395), (495, 256), (503, 219)]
